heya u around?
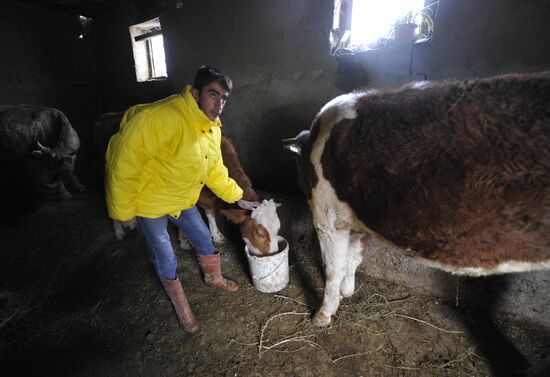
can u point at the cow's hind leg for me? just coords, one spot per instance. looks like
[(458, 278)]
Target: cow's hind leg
[(184, 243), (334, 248), (217, 236), (76, 182), (61, 190), (119, 230), (354, 259)]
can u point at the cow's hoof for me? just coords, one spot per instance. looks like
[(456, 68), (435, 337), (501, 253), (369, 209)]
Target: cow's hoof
[(120, 234), (218, 239), (185, 245), (218, 242), (66, 196), (118, 229), (321, 319), (348, 287)]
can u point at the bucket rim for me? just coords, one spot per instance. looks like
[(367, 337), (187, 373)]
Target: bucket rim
[(279, 239)]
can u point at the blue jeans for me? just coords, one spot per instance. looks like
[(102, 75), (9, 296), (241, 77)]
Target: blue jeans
[(156, 233)]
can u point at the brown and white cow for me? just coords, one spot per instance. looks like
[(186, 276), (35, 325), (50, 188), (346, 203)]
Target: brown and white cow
[(209, 202), (259, 228), (456, 174)]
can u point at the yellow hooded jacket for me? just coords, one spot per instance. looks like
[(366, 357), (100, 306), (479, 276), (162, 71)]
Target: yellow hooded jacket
[(161, 157)]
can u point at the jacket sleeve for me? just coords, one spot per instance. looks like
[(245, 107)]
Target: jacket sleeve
[(127, 155), (222, 185)]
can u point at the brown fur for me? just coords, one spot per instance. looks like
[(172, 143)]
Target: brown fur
[(207, 199), (457, 171)]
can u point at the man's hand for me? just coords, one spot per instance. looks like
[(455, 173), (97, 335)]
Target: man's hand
[(130, 224), (245, 204)]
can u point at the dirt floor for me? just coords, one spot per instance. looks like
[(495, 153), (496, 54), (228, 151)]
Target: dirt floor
[(74, 301)]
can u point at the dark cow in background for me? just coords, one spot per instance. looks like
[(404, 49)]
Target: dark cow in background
[(456, 174), (41, 142), (102, 130), (258, 233)]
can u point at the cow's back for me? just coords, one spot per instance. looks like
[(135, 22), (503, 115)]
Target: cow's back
[(459, 172)]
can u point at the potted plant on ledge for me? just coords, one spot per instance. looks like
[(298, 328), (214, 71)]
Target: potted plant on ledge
[(404, 28)]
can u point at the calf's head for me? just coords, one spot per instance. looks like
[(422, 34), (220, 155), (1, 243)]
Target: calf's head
[(259, 228)]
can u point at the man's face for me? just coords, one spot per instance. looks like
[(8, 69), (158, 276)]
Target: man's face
[(211, 99)]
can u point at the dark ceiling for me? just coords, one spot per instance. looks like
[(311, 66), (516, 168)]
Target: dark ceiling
[(88, 8)]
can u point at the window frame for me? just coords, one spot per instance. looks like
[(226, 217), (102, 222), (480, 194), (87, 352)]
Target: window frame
[(145, 63), (340, 36)]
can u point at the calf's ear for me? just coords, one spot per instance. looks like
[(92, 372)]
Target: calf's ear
[(236, 216)]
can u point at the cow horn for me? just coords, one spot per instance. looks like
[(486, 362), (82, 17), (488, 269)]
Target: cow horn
[(41, 151), (41, 147)]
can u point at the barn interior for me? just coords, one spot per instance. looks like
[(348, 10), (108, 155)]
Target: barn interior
[(75, 301)]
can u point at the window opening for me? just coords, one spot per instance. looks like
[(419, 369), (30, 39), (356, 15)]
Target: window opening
[(368, 24), (148, 47), (85, 23)]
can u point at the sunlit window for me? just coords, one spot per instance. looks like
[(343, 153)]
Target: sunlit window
[(372, 20), (370, 24), (148, 47), (158, 63), (85, 22)]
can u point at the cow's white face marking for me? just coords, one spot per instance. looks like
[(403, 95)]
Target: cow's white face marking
[(266, 215)]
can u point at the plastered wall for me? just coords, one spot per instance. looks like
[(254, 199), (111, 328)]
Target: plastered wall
[(277, 52)]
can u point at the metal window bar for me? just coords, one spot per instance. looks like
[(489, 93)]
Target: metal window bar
[(148, 35)]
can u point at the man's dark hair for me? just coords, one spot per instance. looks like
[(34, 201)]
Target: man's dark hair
[(207, 74)]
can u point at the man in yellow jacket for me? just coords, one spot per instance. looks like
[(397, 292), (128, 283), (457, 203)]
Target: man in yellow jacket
[(156, 166)]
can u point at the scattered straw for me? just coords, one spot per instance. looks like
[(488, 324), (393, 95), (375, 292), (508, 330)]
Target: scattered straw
[(459, 360), (291, 299), (429, 324), (402, 367), (261, 346), (303, 338), (7, 320), (95, 308), (355, 355), (231, 341)]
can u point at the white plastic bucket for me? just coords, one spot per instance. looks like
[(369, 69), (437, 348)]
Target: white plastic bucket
[(270, 272)]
